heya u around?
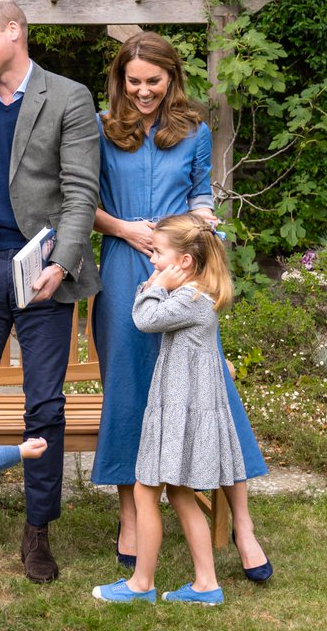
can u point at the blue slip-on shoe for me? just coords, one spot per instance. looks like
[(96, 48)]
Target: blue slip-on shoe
[(119, 592), (259, 574), (128, 560), (186, 594)]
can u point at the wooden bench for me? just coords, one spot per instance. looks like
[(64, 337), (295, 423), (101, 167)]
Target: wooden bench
[(82, 413), (82, 410)]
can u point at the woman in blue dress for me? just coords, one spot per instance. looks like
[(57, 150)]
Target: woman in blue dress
[(156, 161)]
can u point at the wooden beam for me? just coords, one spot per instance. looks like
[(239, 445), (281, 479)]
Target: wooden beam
[(115, 11), (254, 5), (123, 32), (125, 11)]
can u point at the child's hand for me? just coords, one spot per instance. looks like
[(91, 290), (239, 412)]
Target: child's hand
[(151, 279), (170, 278), (33, 447)]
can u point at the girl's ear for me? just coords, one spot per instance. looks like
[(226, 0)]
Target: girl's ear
[(187, 261)]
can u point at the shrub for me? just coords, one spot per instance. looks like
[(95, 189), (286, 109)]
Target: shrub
[(283, 333)]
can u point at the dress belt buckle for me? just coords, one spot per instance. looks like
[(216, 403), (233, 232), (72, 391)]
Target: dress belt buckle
[(154, 219)]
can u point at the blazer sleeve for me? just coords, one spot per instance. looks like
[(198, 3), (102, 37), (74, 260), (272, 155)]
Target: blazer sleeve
[(157, 311), (79, 179)]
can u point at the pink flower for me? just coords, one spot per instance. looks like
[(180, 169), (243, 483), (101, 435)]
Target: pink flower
[(308, 258)]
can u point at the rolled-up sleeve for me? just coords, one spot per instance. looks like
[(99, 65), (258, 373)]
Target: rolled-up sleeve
[(201, 194)]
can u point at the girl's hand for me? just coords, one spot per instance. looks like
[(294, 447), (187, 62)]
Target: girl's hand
[(151, 279), (139, 235), (170, 278)]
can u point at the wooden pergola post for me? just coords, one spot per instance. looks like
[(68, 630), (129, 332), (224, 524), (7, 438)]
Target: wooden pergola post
[(220, 112)]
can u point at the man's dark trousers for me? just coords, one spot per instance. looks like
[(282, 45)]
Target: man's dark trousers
[(43, 330)]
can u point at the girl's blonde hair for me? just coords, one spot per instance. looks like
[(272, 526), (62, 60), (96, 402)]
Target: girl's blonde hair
[(190, 234), (124, 123)]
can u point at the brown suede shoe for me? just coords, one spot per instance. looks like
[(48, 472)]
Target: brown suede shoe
[(40, 565)]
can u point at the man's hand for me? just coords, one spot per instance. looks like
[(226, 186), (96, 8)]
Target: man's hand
[(47, 283), (170, 278)]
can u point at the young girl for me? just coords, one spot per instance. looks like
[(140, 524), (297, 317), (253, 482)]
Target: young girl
[(188, 436)]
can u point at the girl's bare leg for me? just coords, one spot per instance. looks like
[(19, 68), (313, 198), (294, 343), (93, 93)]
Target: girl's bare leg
[(149, 536), (248, 547), (197, 534), (127, 516)]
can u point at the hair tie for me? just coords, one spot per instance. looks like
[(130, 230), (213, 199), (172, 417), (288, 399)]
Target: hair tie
[(219, 233)]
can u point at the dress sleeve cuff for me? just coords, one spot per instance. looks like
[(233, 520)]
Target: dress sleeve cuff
[(201, 201)]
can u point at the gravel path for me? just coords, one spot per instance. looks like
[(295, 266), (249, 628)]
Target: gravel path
[(280, 480), (283, 480)]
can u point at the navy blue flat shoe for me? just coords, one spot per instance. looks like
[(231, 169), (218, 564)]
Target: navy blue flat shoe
[(128, 560), (260, 574)]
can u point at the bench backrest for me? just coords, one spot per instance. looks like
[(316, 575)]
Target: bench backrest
[(11, 373)]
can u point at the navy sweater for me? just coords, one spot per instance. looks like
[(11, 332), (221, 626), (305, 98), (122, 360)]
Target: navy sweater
[(10, 235)]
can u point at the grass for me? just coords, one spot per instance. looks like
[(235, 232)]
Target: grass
[(292, 530)]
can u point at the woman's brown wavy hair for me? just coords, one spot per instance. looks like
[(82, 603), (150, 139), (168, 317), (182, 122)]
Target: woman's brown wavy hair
[(124, 123)]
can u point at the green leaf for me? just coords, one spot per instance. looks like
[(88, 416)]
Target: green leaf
[(288, 204), (264, 82), (281, 140), (268, 237), (279, 86), (252, 85), (274, 108), (292, 231)]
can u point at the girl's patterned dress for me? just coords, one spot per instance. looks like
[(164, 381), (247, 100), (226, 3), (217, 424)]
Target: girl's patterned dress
[(188, 435)]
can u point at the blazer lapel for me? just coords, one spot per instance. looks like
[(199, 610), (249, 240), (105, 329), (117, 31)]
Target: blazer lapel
[(32, 104)]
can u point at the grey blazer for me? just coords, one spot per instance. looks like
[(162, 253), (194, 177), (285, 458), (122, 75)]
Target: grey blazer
[(54, 174)]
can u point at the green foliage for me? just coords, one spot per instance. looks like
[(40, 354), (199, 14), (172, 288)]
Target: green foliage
[(96, 239), (82, 53), (307, 288), (247, 277), (290, 128), (55, 38), (300, 26), (253, 357), (282, 332), (249, 70), (197, 83)]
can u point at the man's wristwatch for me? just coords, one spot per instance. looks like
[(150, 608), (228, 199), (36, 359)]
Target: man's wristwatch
[(64, 271)]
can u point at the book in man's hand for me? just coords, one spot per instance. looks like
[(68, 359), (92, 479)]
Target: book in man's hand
[(28, 263)]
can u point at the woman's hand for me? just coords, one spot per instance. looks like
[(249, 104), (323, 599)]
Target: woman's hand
[(206, 214), (170, 278), (139, 235)]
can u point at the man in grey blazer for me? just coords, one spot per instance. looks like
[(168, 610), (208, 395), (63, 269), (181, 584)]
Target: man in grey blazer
[(48, 177)]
